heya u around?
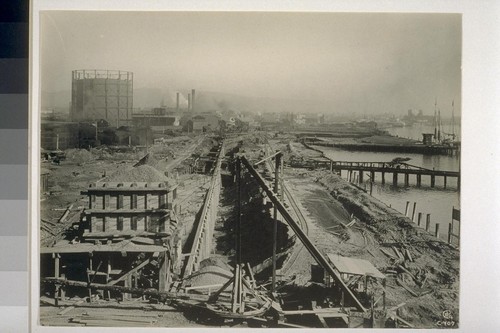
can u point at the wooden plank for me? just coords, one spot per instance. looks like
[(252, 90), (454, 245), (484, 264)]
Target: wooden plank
[(322, 321), (283, 324), (394, 308), (69, 308), (250, 271), (397, 252), (370, 252), (113, 318), (178, 297), (404, 321), (204, 287), (351, 223), (408, 289), (426, 292), (408, 254), (49, 222), (330, 312), (388, 254), (65, 215), (133, 270), (408, 272), (424, 281), (378, 299), (142, 240)]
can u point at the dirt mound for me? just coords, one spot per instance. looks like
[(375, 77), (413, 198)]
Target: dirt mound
[(143, 173), (79, 155)]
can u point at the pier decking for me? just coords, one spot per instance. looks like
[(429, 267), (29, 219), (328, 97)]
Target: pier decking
[(392, 168), (416, 148), (396, 169)]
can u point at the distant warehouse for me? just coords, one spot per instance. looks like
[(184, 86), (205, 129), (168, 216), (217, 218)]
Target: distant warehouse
[(102, 94)]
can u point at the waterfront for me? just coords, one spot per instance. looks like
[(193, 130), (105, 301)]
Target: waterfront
[(436, 201)]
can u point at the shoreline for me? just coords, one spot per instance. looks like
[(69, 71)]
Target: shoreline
[(377, 235)]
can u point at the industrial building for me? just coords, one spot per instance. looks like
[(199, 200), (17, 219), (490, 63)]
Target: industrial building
[(159, 120), (102, 94)]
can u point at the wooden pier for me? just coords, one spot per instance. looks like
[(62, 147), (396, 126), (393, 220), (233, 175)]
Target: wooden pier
[(417, 148), (395, 169)]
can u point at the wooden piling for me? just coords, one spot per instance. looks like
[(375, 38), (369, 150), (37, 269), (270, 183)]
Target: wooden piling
[(444, 181), (407, 180), (450, 232), (56, 274), (56, 265), (419, 219), (162, 278), (436, 232), (419, 180), (413, 212), (383, 178), (395, 179), (406, 209), (428, 223), (360, 176), (433, 180)]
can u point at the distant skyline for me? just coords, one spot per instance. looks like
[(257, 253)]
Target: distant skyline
[(338, 62)]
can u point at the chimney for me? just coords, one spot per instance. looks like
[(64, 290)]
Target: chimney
[(177, 102), (189, 102), (192, 99)]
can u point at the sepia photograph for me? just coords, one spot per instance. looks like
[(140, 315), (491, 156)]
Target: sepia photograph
[(249, 169)]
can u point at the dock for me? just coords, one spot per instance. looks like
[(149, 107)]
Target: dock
[(417, 148), (384, 168), (394, 169)]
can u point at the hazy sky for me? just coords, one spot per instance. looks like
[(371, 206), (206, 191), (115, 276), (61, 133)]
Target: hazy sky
[(365, 63)]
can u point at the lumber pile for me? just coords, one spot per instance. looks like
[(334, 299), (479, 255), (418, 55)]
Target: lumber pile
[(402, 267)]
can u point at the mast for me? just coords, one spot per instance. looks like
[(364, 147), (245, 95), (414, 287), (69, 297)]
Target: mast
[(453, 119), (439, 125), (435, 119)]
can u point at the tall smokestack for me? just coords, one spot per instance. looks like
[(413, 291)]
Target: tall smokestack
[(189, 102), (192, 99), (177, 102)]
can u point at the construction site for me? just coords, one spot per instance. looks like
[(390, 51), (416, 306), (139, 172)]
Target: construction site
[(232, 230)]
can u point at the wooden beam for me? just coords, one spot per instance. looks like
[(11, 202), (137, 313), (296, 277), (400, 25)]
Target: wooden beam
[(330, 312), (322, 321), (204, 287), (133, 270), (138, 291), (313, 250), (403, 321), (162, 274)]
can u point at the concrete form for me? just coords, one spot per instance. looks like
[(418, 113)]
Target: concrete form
[(122, 207)]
